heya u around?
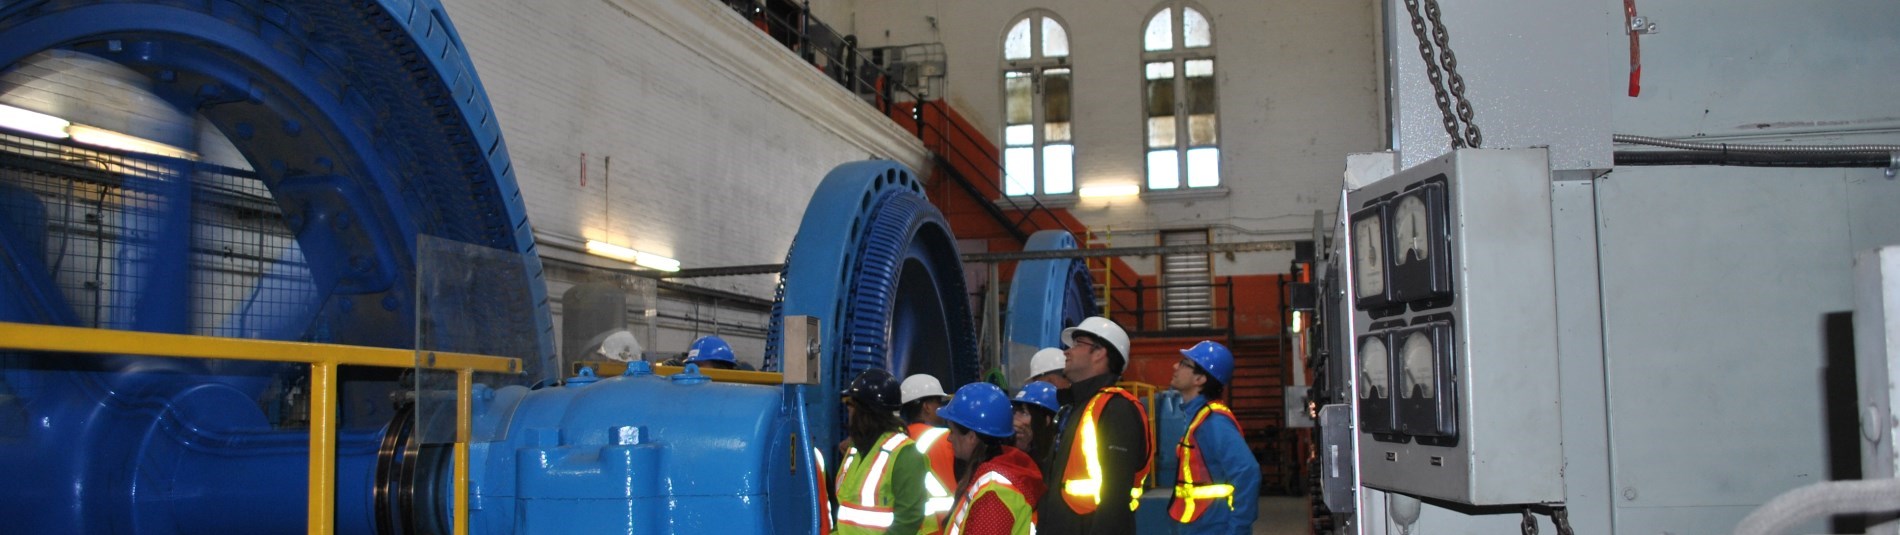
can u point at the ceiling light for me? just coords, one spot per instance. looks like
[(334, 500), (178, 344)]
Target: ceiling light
[(638, 258), (106, 138), (32, 122), (1110, 190)]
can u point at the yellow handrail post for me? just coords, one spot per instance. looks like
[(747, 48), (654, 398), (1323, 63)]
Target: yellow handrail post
[(464, 412), (323, 398)]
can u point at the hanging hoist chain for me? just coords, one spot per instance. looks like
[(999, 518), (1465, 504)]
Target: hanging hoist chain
[(1432, 74), (1559, 516), (1456, 82), (1530, 522)]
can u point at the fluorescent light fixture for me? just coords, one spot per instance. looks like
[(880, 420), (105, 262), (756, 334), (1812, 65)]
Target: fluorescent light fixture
[(1110, 190), (638, 258), (106, 138), (33, 122), (1296, 325)]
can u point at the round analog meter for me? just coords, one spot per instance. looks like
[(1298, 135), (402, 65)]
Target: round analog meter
[(1410, 229), (1373, 369), (1416, 354), (1369, 255)]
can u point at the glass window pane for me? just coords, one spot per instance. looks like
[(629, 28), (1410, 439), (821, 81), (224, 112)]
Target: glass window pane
[(1017, 135), (1203, 167), (1199, 67), (1163, 170), (1200, 90), (1055, 39), (1159, 70), (1203, 130), (1058, 169), (1017, 91), (1016, 45), (1160, 34), (1019, 171), (1161, 132), (1055, 132), (1055, 95), (1195, 31)]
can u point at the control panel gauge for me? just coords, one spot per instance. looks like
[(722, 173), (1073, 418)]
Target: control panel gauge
[(1427, 382), (1420, 246), (1375, 385), (1369, 258)]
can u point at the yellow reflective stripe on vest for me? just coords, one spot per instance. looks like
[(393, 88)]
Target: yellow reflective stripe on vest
[(990, 482), (885, 451), (1090, 488), (929, 438)]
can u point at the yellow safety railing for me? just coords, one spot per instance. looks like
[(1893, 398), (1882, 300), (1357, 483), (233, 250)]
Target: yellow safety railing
[(610, 368), (323, 360), (1106, 238)]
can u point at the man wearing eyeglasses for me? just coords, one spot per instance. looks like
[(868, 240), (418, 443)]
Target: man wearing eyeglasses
[(1106, 448), (1218, 481)]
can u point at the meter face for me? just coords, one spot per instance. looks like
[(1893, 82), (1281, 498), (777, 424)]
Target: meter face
[(1411, 225), (1374, 377), (1369, 255), (1426, 373), (1419, 379), (1420, 247)]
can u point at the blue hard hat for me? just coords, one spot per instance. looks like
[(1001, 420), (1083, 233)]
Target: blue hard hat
[(1214, 359), (710, 348), (1040, 394), (983, 408)]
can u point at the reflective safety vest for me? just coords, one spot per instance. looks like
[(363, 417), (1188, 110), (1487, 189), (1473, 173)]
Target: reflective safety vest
[(937, 495), (824, 491), (1196, 489), (994, 484), (1082, 478), (865, 499)]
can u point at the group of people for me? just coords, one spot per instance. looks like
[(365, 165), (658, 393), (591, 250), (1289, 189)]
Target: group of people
[(1069, 453)]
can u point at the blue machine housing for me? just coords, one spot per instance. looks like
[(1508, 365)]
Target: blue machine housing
[(640, 453), (1049, 295)]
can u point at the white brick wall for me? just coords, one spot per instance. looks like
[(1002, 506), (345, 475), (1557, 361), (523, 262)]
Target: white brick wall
[(1298, 91), (717, 135)]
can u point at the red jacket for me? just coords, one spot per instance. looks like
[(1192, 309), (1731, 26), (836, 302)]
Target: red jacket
[(988, 515)]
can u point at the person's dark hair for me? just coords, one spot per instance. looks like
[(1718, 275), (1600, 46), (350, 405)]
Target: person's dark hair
[(1212, 389), (910, 411), (1042, 424), (867, 424), (990, 448)]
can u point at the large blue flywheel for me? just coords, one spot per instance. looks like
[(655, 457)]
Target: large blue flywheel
[(876, 263), (1045, 297), (362, 127)]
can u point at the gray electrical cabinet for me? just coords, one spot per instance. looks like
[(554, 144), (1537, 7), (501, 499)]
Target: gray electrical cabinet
[(1454, 332)]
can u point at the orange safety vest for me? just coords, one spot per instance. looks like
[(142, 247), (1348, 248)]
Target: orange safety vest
[(934, 443), (824, 492), (1196, 490), (1082, 477)]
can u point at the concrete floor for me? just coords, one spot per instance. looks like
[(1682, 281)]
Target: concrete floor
[(1280, 515)]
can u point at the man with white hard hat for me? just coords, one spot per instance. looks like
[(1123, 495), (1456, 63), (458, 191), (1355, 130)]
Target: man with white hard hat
[(1106, 447), (1046, 366), (922, 395)]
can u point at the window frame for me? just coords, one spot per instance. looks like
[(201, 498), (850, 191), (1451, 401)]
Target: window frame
[(1178, 56), (1035, 65)]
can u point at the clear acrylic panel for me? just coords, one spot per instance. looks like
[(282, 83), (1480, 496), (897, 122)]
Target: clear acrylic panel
[(1195, 30), (1019, 171), (1016, 44), (1160, 32), (1018, 90), (470, 299), (1019, 135), (1203, 167), (1055, 95), (1164, 171), (1202, 130), (1055, 39), (1058, 169), (1161, 132)]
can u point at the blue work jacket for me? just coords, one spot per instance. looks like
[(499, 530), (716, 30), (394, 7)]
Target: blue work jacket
[(1228, 461)]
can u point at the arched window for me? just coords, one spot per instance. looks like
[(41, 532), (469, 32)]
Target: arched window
[(1183, 128), (1038, 147)]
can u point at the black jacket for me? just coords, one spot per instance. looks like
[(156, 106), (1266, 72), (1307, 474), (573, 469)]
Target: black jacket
[(1123, 438)]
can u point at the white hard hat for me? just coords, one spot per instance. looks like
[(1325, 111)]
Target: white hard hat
[(1045, 360), (1101, 328), (621, 346), (922, 385)]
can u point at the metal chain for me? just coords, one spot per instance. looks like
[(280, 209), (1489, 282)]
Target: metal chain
[(1457, 82), (1425, 50), (1530, 522), (1561, 517)]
